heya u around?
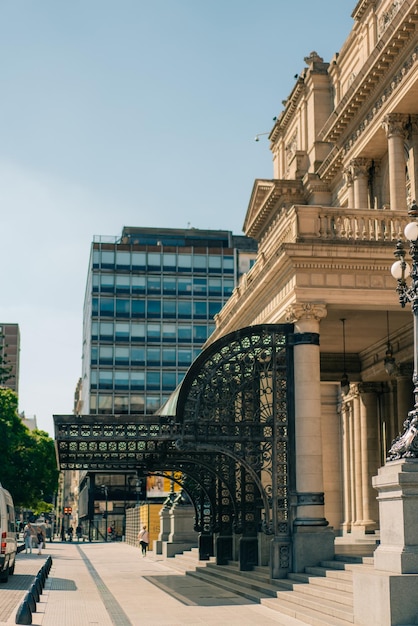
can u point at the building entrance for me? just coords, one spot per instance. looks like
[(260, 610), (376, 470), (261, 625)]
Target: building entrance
[(228, 430)]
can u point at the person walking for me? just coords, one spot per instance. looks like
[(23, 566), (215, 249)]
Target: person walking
[(143, 537), (27, 536), (40, 540)]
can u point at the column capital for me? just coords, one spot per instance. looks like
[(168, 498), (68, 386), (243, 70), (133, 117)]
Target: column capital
[(305, 310), (395, 124), (359, 167)]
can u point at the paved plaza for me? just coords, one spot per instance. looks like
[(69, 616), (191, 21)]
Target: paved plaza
[(110, 584)]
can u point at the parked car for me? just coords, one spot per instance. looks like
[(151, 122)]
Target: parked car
[(8, 543)]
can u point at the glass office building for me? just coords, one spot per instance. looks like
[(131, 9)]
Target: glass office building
[(150, 301)]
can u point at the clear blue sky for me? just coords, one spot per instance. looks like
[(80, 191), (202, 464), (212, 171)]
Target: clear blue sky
[(126, 112)]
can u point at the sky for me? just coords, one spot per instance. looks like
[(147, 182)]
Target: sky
[(121, 113)]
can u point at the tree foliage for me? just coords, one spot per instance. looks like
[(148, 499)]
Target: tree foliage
[(28, 466)]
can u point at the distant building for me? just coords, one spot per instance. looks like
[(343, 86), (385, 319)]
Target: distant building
[(150, 303), (10, 350)]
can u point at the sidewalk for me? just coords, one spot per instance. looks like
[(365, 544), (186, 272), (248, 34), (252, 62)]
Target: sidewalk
[(110, 584)]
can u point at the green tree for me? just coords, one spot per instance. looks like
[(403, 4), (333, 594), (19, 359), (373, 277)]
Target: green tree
[(28, 466)]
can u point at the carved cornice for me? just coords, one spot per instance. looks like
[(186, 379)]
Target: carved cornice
[(361, 8), (267, 197), (305, 310), (375, 71)]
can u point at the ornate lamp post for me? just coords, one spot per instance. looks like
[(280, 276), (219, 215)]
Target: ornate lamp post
[(406, 444)]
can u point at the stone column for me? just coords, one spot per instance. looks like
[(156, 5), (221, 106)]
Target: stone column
[(394, 125), (348, 177), (312, 540), (347, 465), (369, 446), (360, 173), (413, 173)]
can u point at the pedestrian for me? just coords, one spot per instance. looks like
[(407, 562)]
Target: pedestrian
[(40, 540), (70, 533), (27, 536), (62, 533), (79, 532), (143, 537)]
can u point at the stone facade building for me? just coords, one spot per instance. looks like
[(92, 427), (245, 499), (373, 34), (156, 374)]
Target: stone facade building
[(345, 170)]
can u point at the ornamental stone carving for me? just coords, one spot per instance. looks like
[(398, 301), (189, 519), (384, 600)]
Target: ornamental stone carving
[(360, 167), (305, 310), (395, 124)]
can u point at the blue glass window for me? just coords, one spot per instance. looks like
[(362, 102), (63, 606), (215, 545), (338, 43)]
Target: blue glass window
[(106, 355), (154, 261), (214, 308), (184, 262), (139, 260), (137, 331), (95, 283), (153, 356), (184, 309), (184, 356), (96, 258), (137, 380), (123, 259), (107, 307), (184, 286), (105, 379), (122, 379), (215, 263), (137, 356), (169, 262), (138, 284), (200, 309), (184, 333), (169, 332), (153, 380), (199, 263), (153, 332), (107, 283), (169, 309), (105, 404), (106, 331), (169, 286), (229, 264), (199, 334), (228, 287), (122, 331), (154, 308), (108, 259), (123, 284), (93, 355), (123, 307), (121, 356), (169, 380), (200, 286), (154, 285), (169, 356), (95, 306), (94, 330), (215, 286), (138, 308), (93, 379)]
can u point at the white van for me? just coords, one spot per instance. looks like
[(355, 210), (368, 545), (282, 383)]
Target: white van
[(8, 543)]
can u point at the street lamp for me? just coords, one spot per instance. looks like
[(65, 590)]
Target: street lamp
[(406, 444), (105, 491)]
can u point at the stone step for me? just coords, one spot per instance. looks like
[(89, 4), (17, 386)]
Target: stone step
[(243, 580), (323, 582), (331, 608), (246, 591), (303, 614)]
